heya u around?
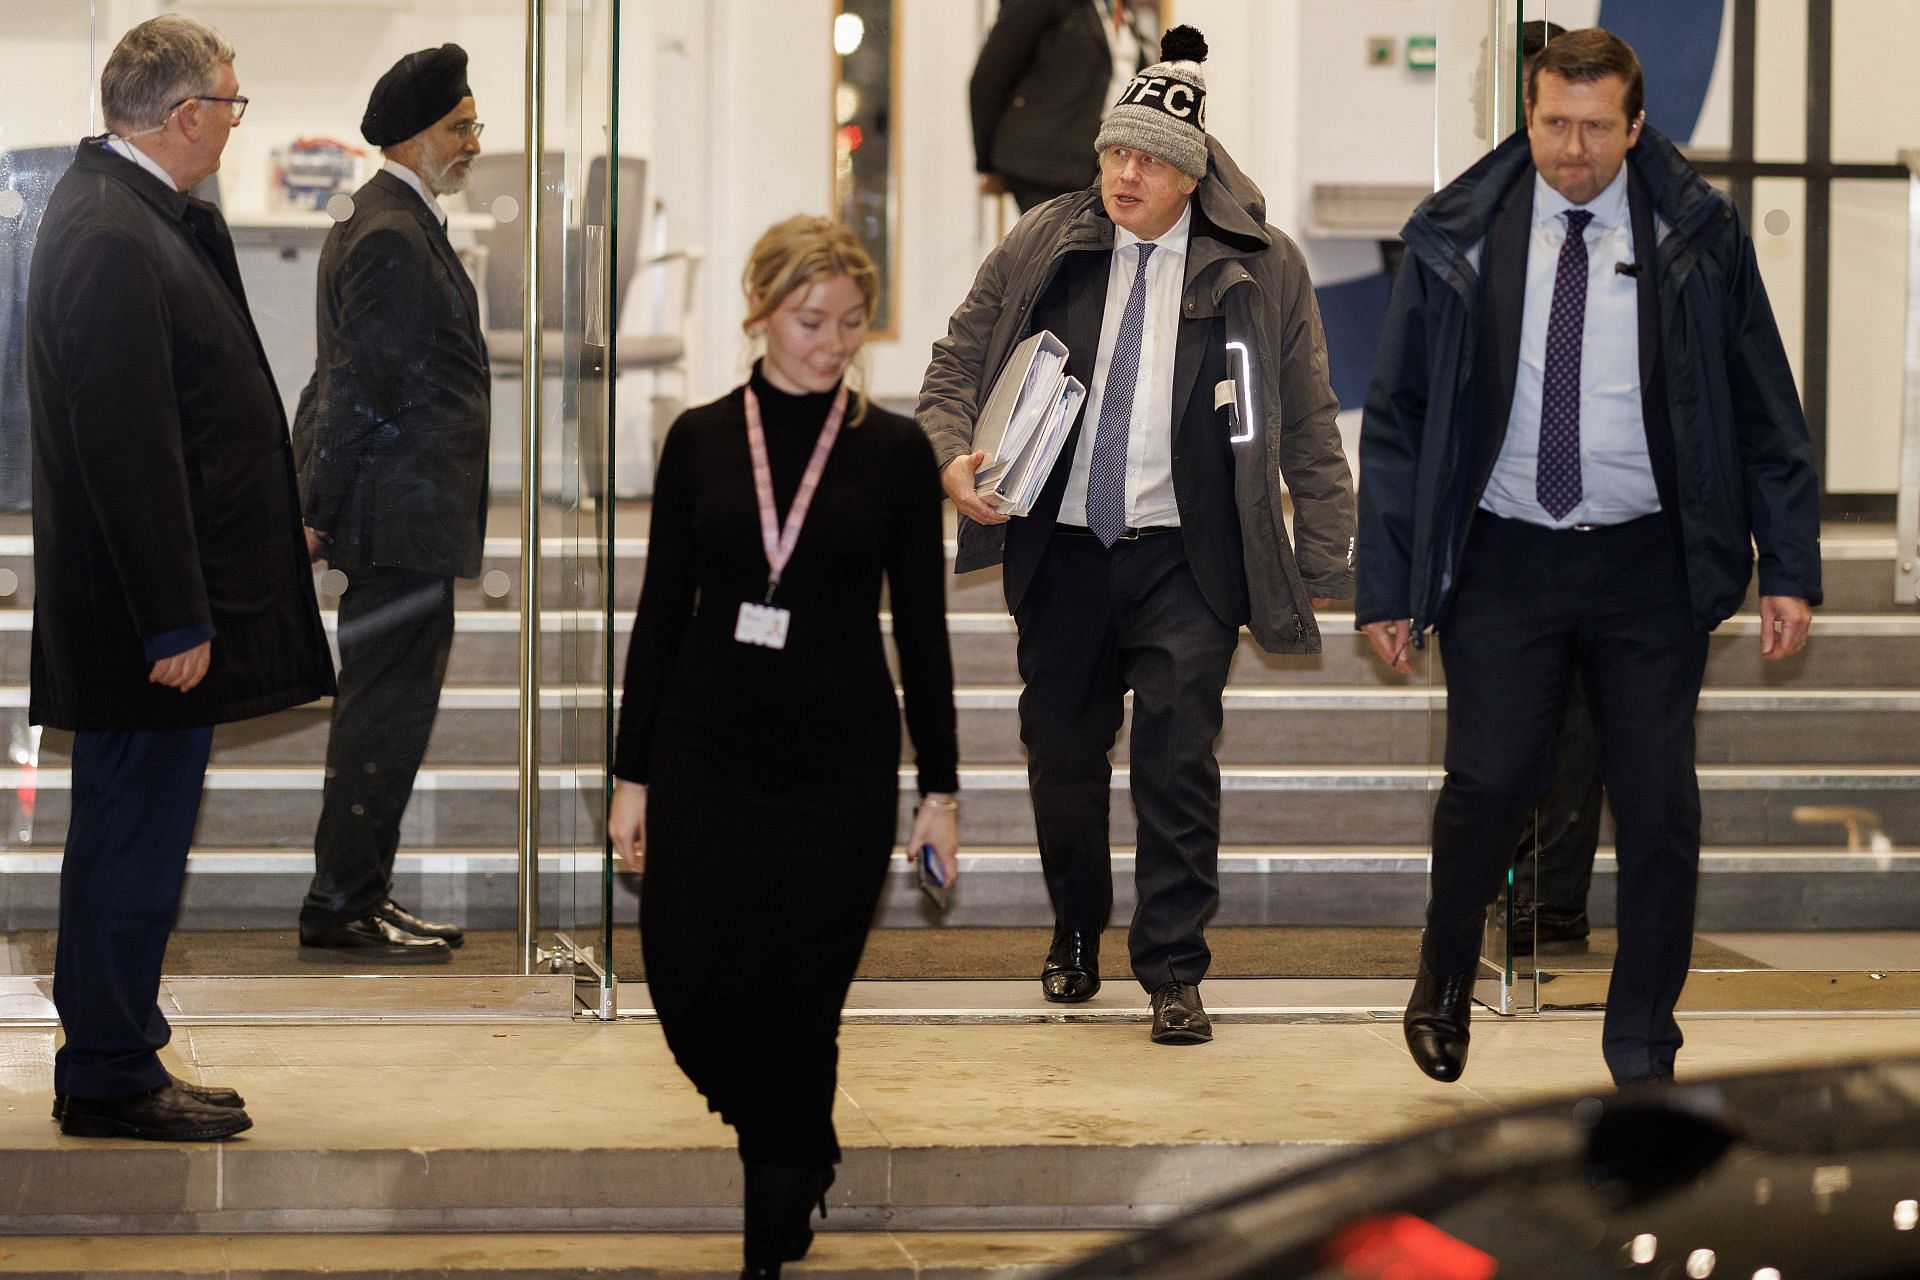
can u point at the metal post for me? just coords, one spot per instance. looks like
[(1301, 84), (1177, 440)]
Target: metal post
[(1906, 558), (532, 372)]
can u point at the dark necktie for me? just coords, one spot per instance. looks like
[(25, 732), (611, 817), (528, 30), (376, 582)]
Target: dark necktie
[(1556, 481), (1107, 474)]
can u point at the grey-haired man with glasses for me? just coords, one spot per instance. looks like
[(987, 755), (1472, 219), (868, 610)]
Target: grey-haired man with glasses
[(391, 435), (172, 585)]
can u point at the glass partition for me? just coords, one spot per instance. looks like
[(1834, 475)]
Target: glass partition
[(436, 515)]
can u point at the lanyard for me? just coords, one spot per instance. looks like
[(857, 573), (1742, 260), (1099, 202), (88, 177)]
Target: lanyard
[(779, 542)]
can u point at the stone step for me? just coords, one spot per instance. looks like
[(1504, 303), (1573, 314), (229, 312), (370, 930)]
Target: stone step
[(580, 1127), (479, 724), (276, 806), (1850, 651), (1741, 889), (871, 1255)]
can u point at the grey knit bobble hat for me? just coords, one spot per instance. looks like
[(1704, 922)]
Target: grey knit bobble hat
[(1164, 110)]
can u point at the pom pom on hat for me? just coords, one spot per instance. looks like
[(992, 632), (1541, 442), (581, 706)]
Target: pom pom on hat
[(1183, 44)]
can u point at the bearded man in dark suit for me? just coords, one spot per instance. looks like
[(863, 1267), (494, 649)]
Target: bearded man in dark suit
[(391, 435)]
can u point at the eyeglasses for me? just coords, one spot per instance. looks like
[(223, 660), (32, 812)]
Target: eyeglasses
[(468, 129), (238, 106)]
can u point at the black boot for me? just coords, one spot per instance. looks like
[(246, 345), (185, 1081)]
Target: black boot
[(779, 1207), (1437, 1021)]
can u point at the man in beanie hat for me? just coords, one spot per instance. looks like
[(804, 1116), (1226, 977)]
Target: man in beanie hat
[(391, 435), (1159, 533)]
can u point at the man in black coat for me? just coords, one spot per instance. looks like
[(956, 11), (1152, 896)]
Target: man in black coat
[(173, 587), (1581, 426), (1044, 79), (391, 436)]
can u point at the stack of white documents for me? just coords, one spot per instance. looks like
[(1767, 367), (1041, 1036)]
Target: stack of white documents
[(1026, 420)]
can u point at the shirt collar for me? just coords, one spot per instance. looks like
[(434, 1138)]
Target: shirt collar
[(1172, 242), (1609, 208), (127, 151), (412, 179)]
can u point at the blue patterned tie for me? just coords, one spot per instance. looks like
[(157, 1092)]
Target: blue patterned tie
[(1107, 475), (1556, 481)]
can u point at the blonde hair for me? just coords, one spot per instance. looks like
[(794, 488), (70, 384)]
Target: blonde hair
[(797, 252)]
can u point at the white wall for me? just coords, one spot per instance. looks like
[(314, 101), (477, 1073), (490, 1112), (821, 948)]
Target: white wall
[(728, 99)]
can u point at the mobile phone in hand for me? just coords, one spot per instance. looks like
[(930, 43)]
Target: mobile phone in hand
[(933, 877)]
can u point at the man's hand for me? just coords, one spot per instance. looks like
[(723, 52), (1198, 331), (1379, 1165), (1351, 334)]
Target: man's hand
[(316, 545), (1784, 622), (183, 670), (957, 480), (1392, 643), (992, 184)]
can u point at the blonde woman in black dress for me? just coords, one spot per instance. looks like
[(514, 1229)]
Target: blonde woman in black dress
[(757, 765)]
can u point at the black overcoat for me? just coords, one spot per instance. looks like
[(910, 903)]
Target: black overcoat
[(391, 432), (163, 486)]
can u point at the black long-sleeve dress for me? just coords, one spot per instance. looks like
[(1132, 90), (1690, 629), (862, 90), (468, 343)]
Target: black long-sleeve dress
[(772, 775)]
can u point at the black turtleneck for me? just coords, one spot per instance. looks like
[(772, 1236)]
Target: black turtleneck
[(820, 711)]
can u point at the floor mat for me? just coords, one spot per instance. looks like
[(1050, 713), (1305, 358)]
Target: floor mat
[(1238, 952)]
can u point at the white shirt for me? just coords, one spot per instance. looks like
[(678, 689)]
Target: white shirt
[(127, 151), (1150, 499), (1616, 474), (1123, 45), (412, 179)]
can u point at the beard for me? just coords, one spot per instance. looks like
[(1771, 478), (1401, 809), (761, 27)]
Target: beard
[(445, 175)]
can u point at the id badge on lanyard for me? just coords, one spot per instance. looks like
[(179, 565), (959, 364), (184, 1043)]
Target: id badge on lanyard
[(764, 623)]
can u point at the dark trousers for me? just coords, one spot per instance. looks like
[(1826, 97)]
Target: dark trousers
[(396, 629), (1553, 865), (1094, 624), (1530, 603), (136, 796)]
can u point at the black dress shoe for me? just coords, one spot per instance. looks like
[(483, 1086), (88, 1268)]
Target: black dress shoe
[(1548, 931), (1072, 971), (210, 1094), (1178, 1015), (401, 918), (370, 940), (166, 1114), (1436, 1022)]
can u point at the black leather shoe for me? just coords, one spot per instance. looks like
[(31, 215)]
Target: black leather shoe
[(165, 1115), (370, 940), (1072, 971), (401, 918), (1436, 1022), (210, 1094), (1178, 1015), (1546, 931)]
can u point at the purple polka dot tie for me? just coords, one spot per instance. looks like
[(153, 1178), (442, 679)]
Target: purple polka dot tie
[(1107, 470), (1556, 481)]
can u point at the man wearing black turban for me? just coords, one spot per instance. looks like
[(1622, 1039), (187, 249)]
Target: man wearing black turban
[(391, 439)]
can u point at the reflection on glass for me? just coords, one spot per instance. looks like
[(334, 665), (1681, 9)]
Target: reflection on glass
[(865, 175)]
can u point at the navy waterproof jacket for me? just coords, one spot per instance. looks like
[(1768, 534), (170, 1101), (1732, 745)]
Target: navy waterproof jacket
[(1744, 462)]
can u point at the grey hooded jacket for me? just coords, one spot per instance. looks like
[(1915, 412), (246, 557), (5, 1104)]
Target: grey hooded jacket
[(1238, 268)]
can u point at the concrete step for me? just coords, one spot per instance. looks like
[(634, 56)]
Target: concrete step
[(1741, 889), (574, 1128), (479, 724), (1368, 805), (873, 1255), (1849, 651)]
